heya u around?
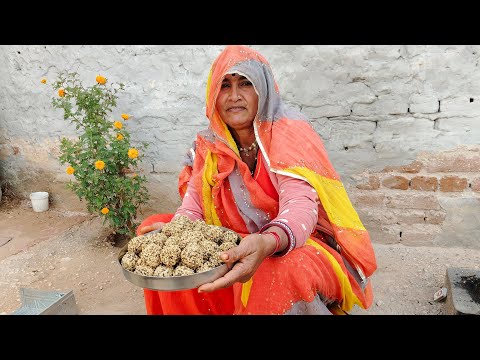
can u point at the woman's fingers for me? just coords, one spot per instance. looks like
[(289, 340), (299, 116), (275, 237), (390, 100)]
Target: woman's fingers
[(147, 228), (231, 277)]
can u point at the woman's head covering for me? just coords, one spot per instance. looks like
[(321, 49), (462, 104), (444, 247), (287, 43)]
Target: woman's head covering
[(251, 64)]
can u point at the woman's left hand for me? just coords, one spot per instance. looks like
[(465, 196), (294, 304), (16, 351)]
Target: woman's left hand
[(243, 260)]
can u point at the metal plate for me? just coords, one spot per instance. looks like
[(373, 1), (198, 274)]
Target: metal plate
[(171, 283)]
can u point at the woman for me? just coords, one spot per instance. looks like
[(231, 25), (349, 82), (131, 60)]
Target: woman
[(261, 170)]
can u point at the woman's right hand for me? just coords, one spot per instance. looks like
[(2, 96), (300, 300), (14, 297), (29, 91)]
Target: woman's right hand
[(147, 228)]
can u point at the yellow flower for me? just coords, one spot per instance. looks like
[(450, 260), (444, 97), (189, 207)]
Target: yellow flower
[(105, 211), (99, 164), (119, 137), (125, 116), (61, 92), (117, 124), (134, 175), (70, 170), (101, 80), (132, 153), (43, 81)]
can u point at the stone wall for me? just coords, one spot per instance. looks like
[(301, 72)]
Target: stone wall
[(401, 123)]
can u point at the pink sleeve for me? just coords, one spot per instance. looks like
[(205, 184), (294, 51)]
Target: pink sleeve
[(191, 206), (298, 207)]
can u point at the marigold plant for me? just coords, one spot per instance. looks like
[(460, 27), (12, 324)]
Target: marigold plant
[(102, 158)]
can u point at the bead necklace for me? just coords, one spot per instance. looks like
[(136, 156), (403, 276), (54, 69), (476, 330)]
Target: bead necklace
[(250, 148), (254, 165)]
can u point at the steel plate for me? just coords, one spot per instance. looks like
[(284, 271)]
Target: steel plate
[(171, 283)]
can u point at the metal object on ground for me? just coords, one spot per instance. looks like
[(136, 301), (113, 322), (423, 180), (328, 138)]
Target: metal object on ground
[(41, 302), (463, 291), (440, 294)]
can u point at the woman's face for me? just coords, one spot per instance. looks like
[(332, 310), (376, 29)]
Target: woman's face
[(237, 101)]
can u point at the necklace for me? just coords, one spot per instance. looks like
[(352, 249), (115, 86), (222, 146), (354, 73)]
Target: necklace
[(254, 165), (248, 149)]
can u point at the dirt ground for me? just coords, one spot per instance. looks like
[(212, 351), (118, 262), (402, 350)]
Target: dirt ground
[(61, 251)]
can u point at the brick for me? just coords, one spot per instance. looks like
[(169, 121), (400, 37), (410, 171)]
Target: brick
[(373, 183), (382, 235), (453, 184), (452, 162), (409, 217), (424, 183), (412, 201), (396, 182), (368, 199), (412, 168), (417, 238), (390, 216), (419, 234), (476, 185), (435, 217), (376, 216)]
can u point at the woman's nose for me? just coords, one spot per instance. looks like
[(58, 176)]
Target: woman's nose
[(234, 95)]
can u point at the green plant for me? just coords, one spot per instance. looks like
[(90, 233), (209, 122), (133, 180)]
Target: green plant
[(101, 159)]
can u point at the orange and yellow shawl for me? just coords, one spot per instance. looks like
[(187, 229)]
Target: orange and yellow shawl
[(292, 148)]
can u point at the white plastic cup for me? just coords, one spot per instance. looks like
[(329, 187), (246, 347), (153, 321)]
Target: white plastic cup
[(39, 201)]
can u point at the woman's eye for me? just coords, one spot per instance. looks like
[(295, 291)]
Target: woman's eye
[(225, 85), (246, 83)]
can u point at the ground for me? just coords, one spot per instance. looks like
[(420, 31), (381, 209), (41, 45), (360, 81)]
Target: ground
[(62, 251)]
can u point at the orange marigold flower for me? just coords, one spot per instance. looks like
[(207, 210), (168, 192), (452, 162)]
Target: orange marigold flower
[(101, 80), (43, 81), (61, 92), (117, 124), (70, 170), (99, 164), (105, 211), (125, 116), (134, 175), (132, 153), (119, 137)]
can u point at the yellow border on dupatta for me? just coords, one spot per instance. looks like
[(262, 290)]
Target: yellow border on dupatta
[(334, 198), (348, 296), (209, 170), (246, 287)]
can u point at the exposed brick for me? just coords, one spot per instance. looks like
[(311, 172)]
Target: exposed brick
[(453, 184), (476, 184), (412, 201), (451, 162), (396, 182), (389, 216), (435, 217), (424, 183), (368, 199), (417, 238), (410, 217), (376, 216), (382, 235), (412, 168), (372, 184)]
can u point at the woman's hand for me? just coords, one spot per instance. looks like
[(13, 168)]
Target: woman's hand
[(148, 228), (243, 260)]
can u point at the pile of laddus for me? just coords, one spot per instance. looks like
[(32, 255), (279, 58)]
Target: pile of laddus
[(183, 247)]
